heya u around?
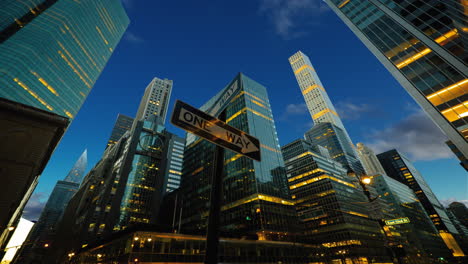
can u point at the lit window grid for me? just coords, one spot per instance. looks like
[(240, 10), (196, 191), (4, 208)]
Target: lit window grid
[(71, 73), (317, 99), (430, 74)]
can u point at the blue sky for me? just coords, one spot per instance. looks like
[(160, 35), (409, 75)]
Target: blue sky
[(201, 45)]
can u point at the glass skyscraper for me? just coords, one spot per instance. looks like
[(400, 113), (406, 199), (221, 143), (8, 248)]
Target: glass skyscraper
[(333, 209), (424, 46), (77, 173), (122, 124), (336, 141), (52, 52), (256, 200), (400, 168), (420, 237), (326, 120), (44, 230)]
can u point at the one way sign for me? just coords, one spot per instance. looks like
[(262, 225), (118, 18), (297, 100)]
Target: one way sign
[(210, 128)]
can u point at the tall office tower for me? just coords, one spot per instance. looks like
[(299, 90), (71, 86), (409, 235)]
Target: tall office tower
[(369, 160), (44, 230), (155, 101), (322, 110), (52, 53), (398, 167), (256, 200), (420, 236), (122, 125), (424, 46), (463, 159), (175, 157), (335, 140), (319, 104), (330, 206), (124, 190)]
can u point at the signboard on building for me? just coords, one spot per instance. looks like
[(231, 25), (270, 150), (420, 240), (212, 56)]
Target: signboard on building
[(398, 221)]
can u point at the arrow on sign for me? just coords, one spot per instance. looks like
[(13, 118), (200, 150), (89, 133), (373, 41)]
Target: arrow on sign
[(215, 130), (242, 141)]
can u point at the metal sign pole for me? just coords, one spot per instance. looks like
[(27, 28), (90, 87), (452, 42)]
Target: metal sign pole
[(212, 233)]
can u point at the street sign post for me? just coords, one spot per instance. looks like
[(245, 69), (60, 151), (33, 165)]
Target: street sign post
[(224, 136), (212, 129), (398, 221)]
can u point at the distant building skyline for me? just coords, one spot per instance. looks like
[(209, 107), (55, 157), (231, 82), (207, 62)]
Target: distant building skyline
[(423, 45), (44, 230), (155, 100)]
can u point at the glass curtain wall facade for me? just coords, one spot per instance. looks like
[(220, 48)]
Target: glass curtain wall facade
[(420, 237), (44, 230), (256, 200), (53, 51), (77, 173), (330, 207), (335, 140), (463, 159), (398, 167), (424, 45), (122, 124)]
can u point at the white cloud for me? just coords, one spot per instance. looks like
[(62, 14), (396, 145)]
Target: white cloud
[(34, 207), (131, 37), (352, 111), (287, 15), (448, 201), (416, 136), (296, 109)]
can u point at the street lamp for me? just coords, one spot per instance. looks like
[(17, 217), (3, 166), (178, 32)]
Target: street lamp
[(366, 180)]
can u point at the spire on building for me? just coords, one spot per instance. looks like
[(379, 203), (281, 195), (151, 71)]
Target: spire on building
[(76, 174)]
